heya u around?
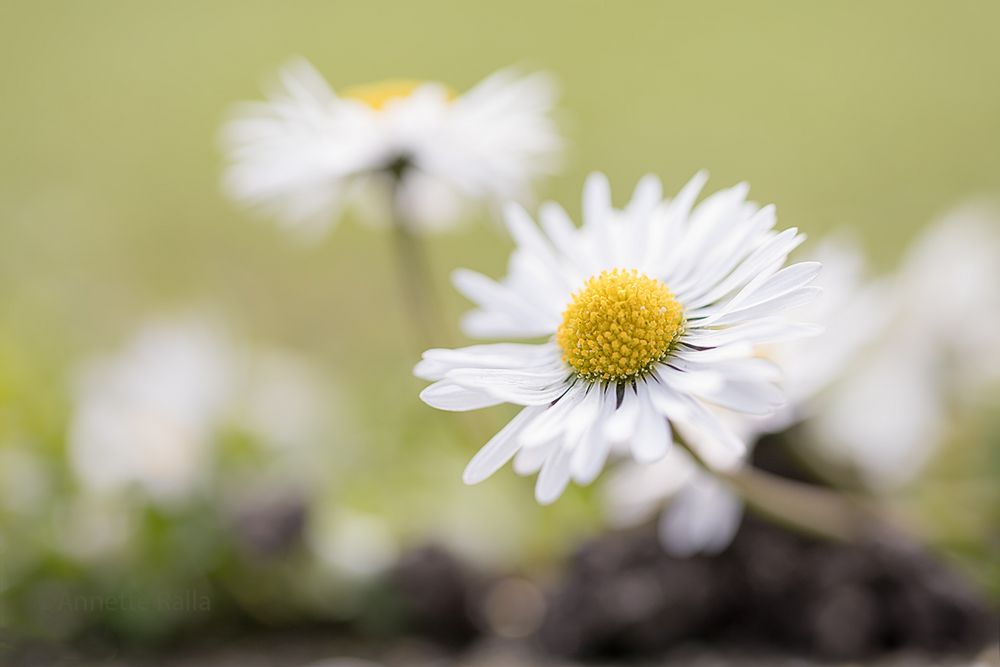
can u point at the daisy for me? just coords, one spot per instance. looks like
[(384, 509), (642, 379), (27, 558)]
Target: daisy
[(144, 417), (149, 416), (885, 421), (955, 265), (702, 514), (650, 316), (309, 151)]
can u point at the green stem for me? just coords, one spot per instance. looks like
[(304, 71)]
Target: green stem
[(414, 273), (806, 507)]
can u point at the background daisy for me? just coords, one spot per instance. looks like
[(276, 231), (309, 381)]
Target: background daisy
[(938, 356), (309, 151)]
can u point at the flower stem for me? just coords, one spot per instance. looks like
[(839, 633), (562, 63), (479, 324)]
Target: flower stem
[(802, 506), (808, 508), (414, 271)]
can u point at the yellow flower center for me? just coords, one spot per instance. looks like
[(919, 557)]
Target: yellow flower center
[(619, 325), (377, 95)]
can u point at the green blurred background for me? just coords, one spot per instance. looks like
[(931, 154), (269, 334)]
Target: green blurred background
[(878, 116)]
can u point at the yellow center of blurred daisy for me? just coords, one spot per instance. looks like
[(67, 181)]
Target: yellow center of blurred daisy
[(619, 325), (377, 95)]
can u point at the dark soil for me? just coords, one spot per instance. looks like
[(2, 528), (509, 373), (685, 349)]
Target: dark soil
[(771, 590)]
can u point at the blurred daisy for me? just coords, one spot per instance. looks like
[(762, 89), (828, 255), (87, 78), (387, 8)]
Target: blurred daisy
[(309, 151), (351, 543), (144, 417), (283, 402), (651, 315), (882, 423), (955, 265), (703, 514), (886, 419)]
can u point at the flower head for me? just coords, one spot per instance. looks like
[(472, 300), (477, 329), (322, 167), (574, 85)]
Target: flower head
[(145, 415), (651, 315), (702, 514), (309, 151)]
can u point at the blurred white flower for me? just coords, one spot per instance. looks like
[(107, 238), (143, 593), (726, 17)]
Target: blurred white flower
[(941, 349), (309, 151), (145, 416), (949, 287), (149, 416), (351, 543), (651, 314), (703, 515), (883, 421), (283, 402)]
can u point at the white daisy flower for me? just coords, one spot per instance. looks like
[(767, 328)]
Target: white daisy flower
[(955, 265), (309, 151), (352, 543), (883, 422), (651, 315), (702, 517), (886, 420), (145, 416), (703, 514)]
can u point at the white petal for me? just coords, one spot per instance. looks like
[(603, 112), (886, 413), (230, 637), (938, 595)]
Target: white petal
[(483, 324), (446, 395), (620, 426), (648, 193), (703, 518), (711, 220), (670, 226), (596, 199), (493, 296), (557, 225), (714, 442), (763, 288), (583, 415), (772, 253), (529, 460), (499, 449), (752, 369), (787, 301), (525, 232), (651, 440), (514, 386), (738, 350), (553, 422), (554, 477), (692, 382), (765, 330), (589, 457), (699, 427), (752, 398), (667, 400), (437, 362), (732, 249)]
